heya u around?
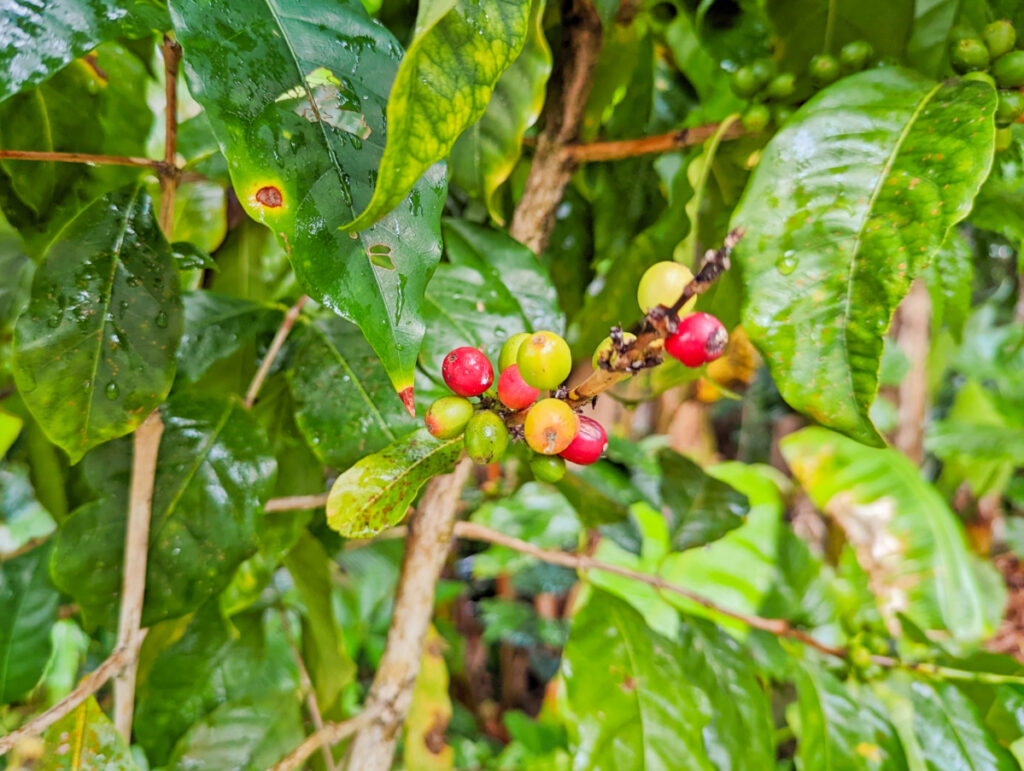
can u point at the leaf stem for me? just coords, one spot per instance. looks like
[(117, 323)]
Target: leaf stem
[(275, 348), (660, 143), (101, 160), (168, 172), (331, 733)]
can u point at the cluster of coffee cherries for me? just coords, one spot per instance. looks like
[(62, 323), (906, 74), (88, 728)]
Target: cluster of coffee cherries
[(991, 58), (532, 363)]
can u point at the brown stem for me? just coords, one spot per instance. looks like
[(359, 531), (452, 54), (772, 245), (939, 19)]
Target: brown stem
[(171, 52), (661, 143), (331, 733), (306, 683), (275, 347), (102, 160), (136, 549), (568, 89), (426, 548), (297, 502), (914, 338)]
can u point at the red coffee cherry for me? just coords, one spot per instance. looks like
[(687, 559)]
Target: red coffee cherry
[(514, 392), (699, 338), (591, 440), (467, 371)]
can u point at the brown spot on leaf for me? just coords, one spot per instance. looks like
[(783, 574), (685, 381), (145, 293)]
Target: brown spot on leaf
[(629, 684), (269, 196), (434, 739)]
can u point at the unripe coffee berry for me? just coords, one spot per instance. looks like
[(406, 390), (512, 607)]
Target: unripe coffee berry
[(781, 86), (510, 350), (755, 119), (662, 284), (547, 468), (544, 360), (514, 392), (606, 345), (999, 38), (1009, 108), (824, 69), (447, 417), (1009, 70), (550, 426), (591, 440), (467, 371), (968, 54), (698, 339), (854, 56), (486, 438)]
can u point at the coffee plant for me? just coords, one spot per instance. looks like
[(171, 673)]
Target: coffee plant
[(619, 385)]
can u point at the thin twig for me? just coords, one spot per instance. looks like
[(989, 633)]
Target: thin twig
[(171, 52), (275, 347), (331, 733), (101, 160), (133, 582), (306, 683), (660, 143), (297, 502)]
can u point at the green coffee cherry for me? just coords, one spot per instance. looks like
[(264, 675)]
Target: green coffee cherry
[(744, 82), (544, 360), (764, 70), (823, 69), (1004, 139), (756, 118), (853, 57), (781, 113), (510, 350), (980, 77), (781, 86), (486, 438), (1010, 107), (547, 468), (968, 55), (447, 417), (999, 37), (1009, 70)]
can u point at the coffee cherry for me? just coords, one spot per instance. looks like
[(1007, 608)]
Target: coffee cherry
[(591, 440), (968, 54), (999, 37), (781, 86), (510, 350), (763, 69), (1004, 138), (547, 468), (755, 119), (781, 113), (981, 77), (544, 360), (699, 338), (1010, 107), (514, 392), (744, 82), (606, 345), (1009, 70), (486, 438), (662, 284), (550, 426), (824, 69), (447, 417), (467, 371), (853, 57)]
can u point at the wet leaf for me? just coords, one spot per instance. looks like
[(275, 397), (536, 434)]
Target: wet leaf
[(28, 609), (85, 738), (703, 508)]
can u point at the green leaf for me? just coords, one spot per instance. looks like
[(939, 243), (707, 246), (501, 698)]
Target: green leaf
[(22, 517), (905, 535), (94, 350), (929, 38), (425, 748), (493, 288), (344, 404), (837, 731), (839, 224), (253, 265), (85, 738), (214, 475), (251, 734), (949, 283), (17, 269), (28, 609), (40, 39), (375, 493), (200, 214), (703, 508), (631, 704), (485, 154), (331, 668), (208, 664), (217, 326), (443, 85), (308, 132)]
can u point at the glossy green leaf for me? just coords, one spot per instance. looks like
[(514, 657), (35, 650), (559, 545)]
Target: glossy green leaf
[(94, 350), (485, 154), (214, 474), (344, 404), (905, 535), (443, 86), (492, 288), (38, 40), (85, 738), (837, 731), (702, 508), (217, 326), (253, 265), (28, 608), (949, 279), (840, 223), (631, 704), (22, 517), (17, 269), (200, 214), (929, 38), (376, 492), (301, 122), (208, 664)]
